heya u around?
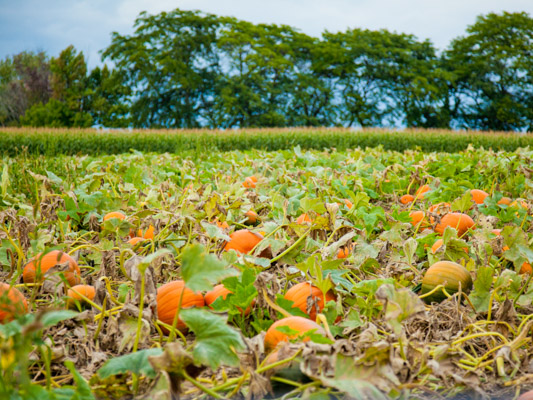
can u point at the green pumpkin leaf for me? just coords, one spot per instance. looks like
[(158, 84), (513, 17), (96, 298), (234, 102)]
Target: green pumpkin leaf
[(216, 342), (201, 270), (136, 363)]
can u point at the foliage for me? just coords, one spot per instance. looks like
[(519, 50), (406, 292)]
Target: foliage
[(24, 82), (492, 73)]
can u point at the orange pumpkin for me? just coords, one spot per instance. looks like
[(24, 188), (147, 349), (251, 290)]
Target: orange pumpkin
[(248, 183), (222, 225), (12, 302), (299, 294), (168, 298), (300, 324), (407, 198), (253, 178), (505, 200), (526, 396), (526, 269), (345, 251), (519, 204), (421, 190), (478, 195), (42, 263), (461, 222), (251, 216), (417, 219), (438, 208), (243, 241), (134, 240), (348, 203), (148, 234), (75, 292), (115, 214), (436, 246), (221, 291), (302, 219)]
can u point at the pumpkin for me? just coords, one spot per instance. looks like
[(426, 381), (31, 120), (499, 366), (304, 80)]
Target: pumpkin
[(42, 263), (12, 302), (526, 396), (526, 269), (302, 219), (300, 293), (253, 178), (517, 204), (449, 274), (300, 324), (461, 222), (134, 240), (222, 225), (505, 200), (221, 291), (417, 219), (438, 208), (148, 234), (251, 217), (407, 198), (168, 298), (436, 246), (115, 214), (243, 241), (345, 251), (73, 295), (421, 190), (248, 183), (348, 203), (478, 195)]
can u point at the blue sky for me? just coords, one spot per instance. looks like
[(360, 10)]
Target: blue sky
[(52, 25)]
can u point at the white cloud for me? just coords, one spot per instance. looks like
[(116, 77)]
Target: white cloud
[(53, 25)]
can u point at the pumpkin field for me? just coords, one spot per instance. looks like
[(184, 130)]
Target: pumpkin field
[(297, 273)]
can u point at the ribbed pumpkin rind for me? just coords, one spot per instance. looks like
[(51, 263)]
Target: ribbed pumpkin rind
[(243, 241), (86, 290), (115, 214), (301, 324), (461, 222), (218, 291), (299, 293), (48, 261), (168, 297), (445, 272)]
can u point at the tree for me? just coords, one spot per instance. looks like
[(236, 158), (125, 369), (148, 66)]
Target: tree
[(385, 78), (170, 63), (104, 94), (24, 81), (68, 82), (492, 73)]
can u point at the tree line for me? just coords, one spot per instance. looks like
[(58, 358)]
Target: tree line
[(188, 69)]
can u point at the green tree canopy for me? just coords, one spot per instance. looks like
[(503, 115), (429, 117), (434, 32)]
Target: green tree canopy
[(24, 81), (492, 73)]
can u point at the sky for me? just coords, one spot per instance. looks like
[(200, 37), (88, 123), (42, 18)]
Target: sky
[(52, 25)]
